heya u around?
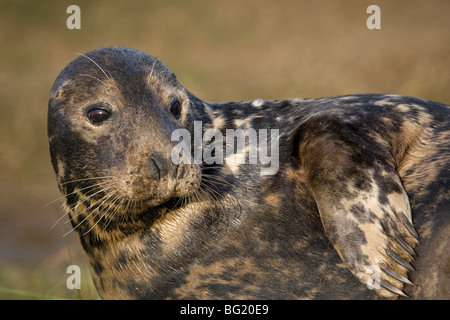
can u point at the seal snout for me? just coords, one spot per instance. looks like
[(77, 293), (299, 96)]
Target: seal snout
[(171, 179), (160, 169)]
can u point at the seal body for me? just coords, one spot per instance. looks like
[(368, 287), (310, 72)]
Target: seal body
[(355, 204)]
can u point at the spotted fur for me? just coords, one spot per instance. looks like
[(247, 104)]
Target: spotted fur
[(362, 183)]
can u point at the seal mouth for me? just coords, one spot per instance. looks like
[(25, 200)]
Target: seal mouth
[(157, 184), (100, 203), (136, 191)]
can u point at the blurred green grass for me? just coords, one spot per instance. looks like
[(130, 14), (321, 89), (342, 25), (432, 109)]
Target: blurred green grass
[(221, 51)]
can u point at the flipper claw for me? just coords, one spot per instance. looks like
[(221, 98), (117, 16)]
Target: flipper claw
[(399, 260), (397, 276), (405, 245), (409, 226), (393, 289)]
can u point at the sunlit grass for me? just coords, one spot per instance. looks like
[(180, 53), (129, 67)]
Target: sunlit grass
[(27, 294), (47, 279), (44, 282)]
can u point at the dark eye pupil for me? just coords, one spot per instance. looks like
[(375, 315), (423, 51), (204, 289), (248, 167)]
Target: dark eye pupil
[(98, 115), (176, 108)]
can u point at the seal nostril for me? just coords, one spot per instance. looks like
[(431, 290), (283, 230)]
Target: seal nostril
[(175, 171), (154, 170), (181, 172), (157, 166)]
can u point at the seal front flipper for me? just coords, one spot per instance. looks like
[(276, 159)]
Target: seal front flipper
[(363, 206)]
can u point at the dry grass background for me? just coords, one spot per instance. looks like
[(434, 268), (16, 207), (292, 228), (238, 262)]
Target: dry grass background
[(221, 51)]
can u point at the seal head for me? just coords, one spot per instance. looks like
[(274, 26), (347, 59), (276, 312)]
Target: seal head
[(109, 131)]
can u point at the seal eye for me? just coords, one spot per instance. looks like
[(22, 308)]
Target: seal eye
[(98, 115), (175, 108)]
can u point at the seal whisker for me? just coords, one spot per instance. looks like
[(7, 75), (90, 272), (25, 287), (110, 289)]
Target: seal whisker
[(89, 197), (59, 219), (86, 179), (88, 207), (88, 75), (95, 212), (81, 54), (106, 210), (213, 184), (70, 208), (197, 196), (116, 210), (180, 202), (217, 180), (153, 67), (125, 207), (115, 205), (75, 191), (216, 197), (161, 74)]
